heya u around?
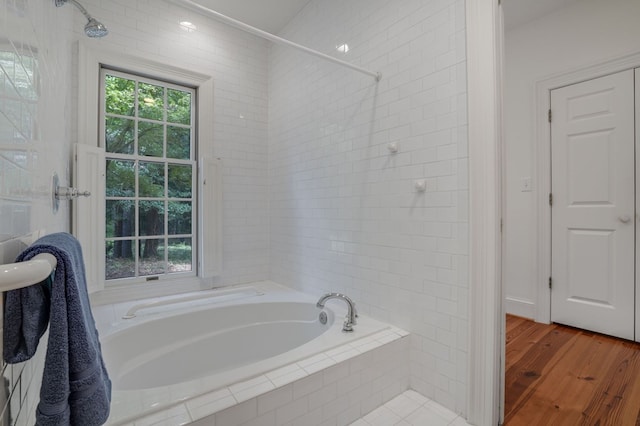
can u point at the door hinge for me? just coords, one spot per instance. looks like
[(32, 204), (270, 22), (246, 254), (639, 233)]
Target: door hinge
[(550, 199), (550, 283), (550, 116)]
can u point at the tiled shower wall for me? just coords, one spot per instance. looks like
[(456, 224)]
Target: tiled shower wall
[(35, 127), (345, 214), (35, 117)]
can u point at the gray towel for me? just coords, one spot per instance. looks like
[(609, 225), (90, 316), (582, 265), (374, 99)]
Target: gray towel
[(76, 389)]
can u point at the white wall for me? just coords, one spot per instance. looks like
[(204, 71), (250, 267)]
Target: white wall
[(584, 33), (344, 213)]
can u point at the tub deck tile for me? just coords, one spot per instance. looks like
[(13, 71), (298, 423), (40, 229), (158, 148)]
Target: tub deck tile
[(174, 416), (369, 346), (252, 392), (388, 338), (291, 377), (319, 366), (247, 384), (348, 354), (337, 351), (312, 360), (210, 403), (274, 374)]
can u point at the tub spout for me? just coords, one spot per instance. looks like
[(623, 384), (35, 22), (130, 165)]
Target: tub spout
[(352, 313)]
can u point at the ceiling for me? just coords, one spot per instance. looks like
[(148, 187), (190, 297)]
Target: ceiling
[(519, 12), (268, 15), (273, 15)]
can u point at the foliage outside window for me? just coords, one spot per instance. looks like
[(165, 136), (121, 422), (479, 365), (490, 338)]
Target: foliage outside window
[(148, 136)]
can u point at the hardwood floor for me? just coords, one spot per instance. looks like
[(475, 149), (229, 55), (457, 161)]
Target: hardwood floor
[(557, 375)]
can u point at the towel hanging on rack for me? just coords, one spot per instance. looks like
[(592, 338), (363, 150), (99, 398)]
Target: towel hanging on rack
[(76, 389)]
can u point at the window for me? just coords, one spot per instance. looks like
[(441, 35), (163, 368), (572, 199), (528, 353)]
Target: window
[(180, 262), (147, 132)]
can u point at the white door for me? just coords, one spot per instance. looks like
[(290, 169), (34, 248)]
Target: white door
[(593, 212)]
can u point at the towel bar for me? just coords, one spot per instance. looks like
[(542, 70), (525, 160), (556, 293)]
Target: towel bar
[(23, 274)]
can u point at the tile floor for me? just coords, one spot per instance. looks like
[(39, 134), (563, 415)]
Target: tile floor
[(411, 409)]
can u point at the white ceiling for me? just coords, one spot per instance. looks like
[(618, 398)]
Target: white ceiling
[(273, 15), (268, 15), (519, 12)]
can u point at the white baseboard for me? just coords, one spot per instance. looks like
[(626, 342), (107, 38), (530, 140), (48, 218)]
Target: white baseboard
[(520, 307)]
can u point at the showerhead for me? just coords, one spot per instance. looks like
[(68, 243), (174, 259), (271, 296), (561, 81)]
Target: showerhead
[(93, 28)]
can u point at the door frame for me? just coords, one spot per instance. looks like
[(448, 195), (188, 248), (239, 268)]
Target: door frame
[(484, 37), (542, 164), (637, 194)]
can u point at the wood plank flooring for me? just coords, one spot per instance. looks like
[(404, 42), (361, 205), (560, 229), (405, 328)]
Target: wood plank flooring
[(557, 375)]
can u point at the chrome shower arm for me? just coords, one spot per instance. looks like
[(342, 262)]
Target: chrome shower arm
[(60, 3)]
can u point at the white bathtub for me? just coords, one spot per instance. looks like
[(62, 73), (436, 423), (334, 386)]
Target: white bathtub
[(171, 354), (191, 345)]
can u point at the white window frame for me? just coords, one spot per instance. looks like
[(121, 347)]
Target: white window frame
[(91, 60), (135, 280)]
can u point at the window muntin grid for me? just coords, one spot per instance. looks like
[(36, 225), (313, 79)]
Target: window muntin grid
[(148, 132)]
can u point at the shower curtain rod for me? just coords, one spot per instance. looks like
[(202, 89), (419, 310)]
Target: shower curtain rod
[(268, 36)]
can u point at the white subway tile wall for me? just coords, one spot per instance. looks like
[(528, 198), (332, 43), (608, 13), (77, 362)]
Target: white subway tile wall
[(35, 123), (313, 198), (35, 116), (345, 214)]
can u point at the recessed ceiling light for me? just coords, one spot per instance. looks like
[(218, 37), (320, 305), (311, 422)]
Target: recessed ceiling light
[(188, 26), (342, 48)]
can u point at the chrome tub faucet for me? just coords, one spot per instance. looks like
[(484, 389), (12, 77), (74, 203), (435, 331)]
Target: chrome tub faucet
[(352, 313)]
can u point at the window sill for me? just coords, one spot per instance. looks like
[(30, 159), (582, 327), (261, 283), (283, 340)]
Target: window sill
[(128, 292)]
